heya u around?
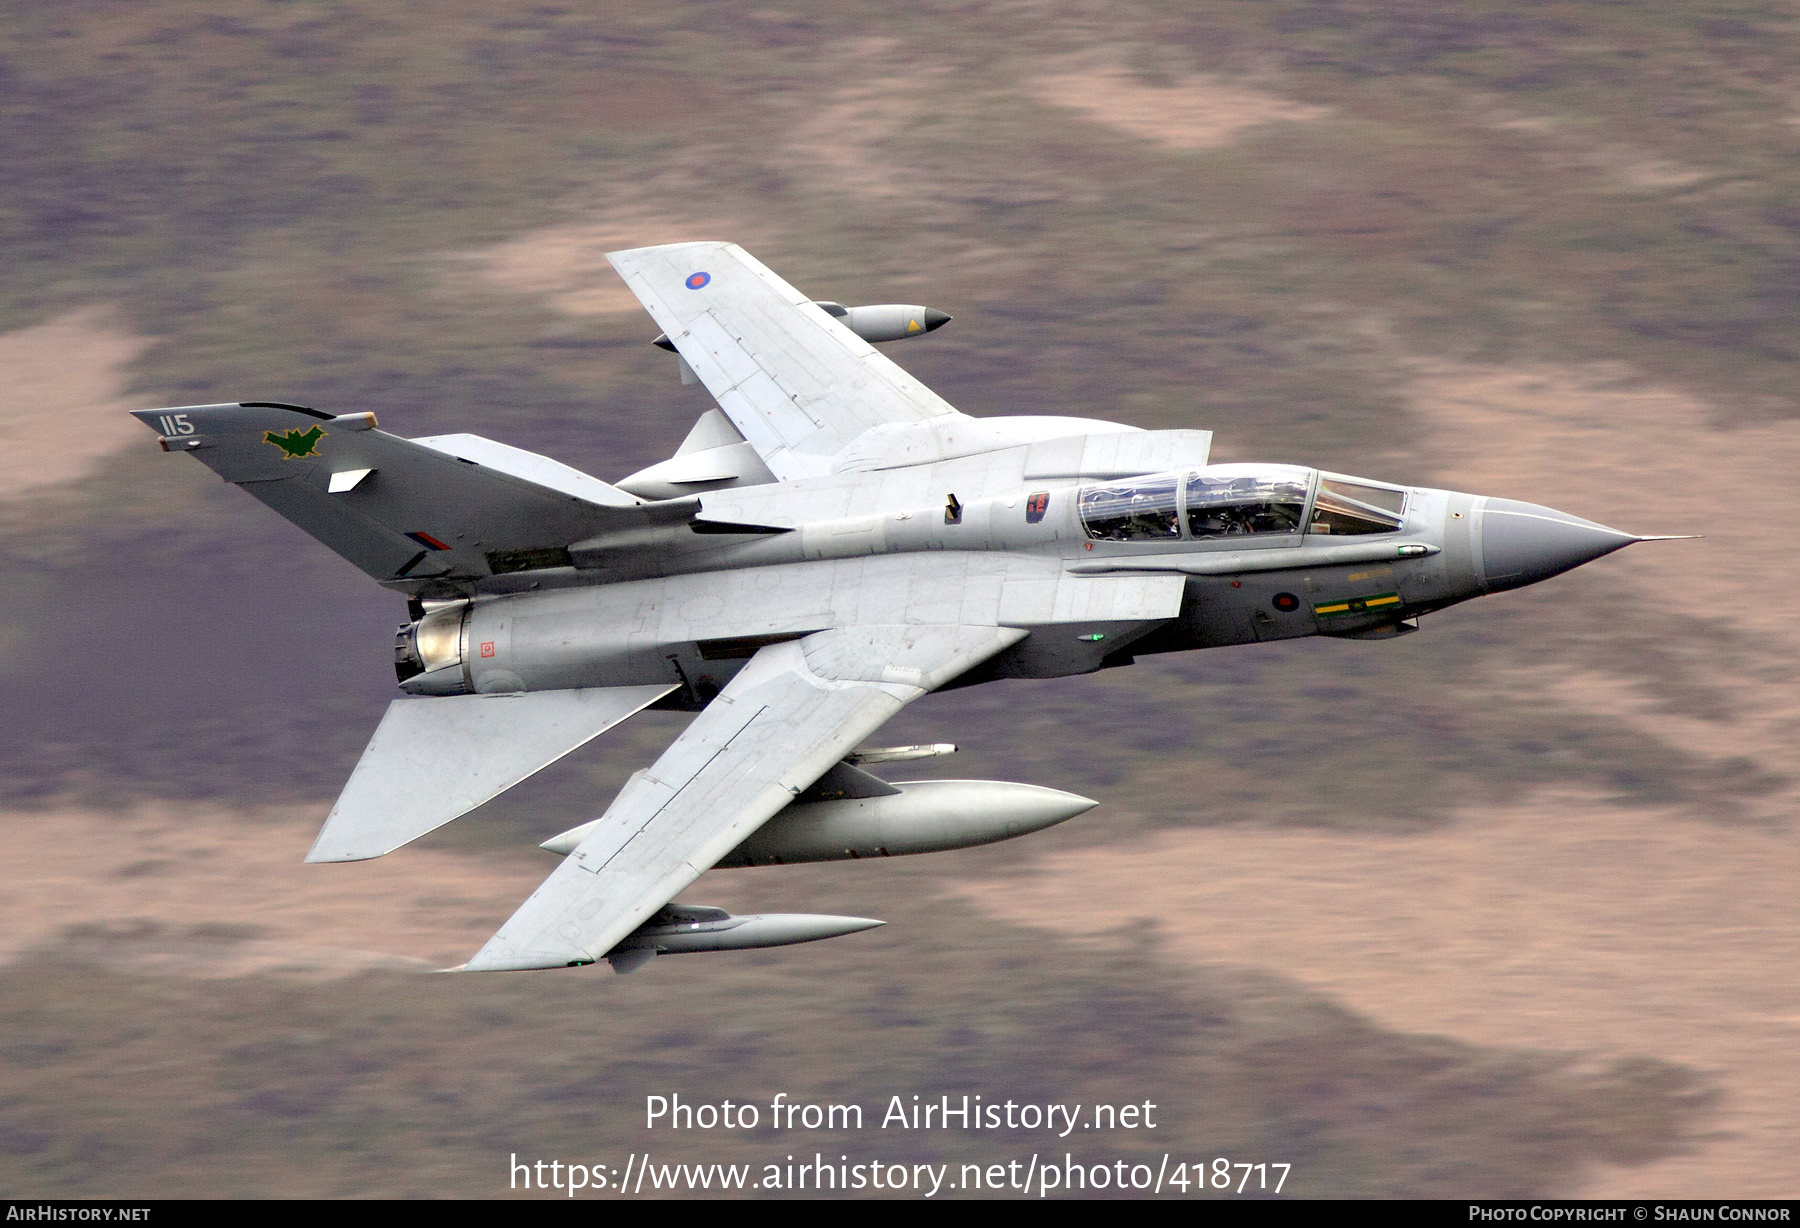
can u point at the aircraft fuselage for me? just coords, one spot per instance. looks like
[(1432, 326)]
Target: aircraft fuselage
[(1209, 556)]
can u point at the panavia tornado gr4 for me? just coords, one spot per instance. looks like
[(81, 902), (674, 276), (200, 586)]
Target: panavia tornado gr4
[(830, 543)]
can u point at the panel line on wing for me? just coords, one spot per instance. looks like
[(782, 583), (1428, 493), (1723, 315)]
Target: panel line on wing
[(589, 858)]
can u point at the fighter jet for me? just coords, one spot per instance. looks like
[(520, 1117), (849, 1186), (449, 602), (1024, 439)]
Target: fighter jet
[(829, 544)]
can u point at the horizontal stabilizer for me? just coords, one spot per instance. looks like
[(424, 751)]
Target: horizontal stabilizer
[(527, 466), (432, 760)]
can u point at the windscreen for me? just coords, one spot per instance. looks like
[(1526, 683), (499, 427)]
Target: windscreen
[(1343, 508)]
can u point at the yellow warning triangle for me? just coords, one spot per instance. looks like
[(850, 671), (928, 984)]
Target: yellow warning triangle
[(912, 326)]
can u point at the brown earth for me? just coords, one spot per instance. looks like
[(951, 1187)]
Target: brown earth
[(1194, 112), (1598, 442), (203, 890), (1562, 922), (567, 264), (62, 399)]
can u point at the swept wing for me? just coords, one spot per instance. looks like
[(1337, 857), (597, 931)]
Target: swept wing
[(795, 710), (797, 384)]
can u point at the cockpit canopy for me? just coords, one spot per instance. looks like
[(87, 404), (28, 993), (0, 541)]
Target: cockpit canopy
[(1233, 500), (1226, 500), (1142, 509)]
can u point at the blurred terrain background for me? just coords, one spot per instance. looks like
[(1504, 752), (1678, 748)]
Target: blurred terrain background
[(1503, 908)]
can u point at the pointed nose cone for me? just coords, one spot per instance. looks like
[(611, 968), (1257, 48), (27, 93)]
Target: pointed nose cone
[(1522, 543), (935, 319)]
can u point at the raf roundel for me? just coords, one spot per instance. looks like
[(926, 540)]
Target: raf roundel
[(696, 280)]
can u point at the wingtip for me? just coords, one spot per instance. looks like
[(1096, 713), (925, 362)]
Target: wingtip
[(689, 244), (319, 855)]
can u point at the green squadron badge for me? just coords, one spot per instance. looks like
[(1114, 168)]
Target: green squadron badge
[(296, 443)]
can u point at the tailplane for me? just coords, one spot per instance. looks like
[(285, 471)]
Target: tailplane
[(434, 759)]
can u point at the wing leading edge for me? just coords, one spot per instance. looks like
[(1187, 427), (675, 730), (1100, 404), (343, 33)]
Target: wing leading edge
[(792, 712), (795, 382)]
